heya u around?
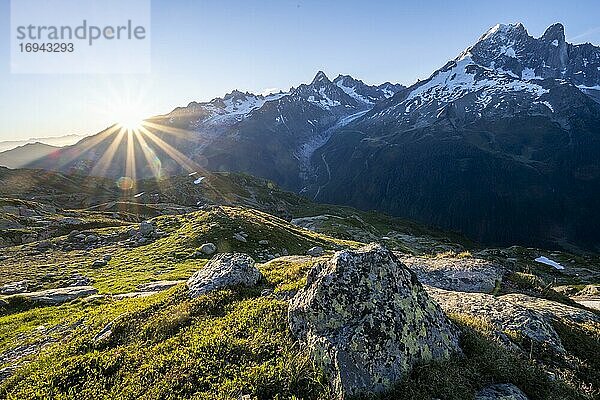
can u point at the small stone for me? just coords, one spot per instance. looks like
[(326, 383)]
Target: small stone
[(263, 242), (107, 257), (79, 280), (99, 263), (44, 244), (208, 248), (91, 239), (315, 251), (504, 391), (240, 237)]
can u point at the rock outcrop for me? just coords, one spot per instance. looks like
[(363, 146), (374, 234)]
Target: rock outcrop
[(14, 288), (528, 317), (60, 295), (461, 274), (367, 320), (157, 286), (223, 270)]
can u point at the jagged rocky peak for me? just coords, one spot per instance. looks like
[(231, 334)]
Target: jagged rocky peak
[(364, 93), (320, 79), (508, 48), (503, 30), (500, 41), (347, 79), (238, 95), (555, 32)]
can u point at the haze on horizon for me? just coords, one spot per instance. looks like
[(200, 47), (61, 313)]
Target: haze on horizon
[(202, 50)]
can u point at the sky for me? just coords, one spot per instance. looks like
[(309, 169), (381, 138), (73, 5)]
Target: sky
[(202, 49)]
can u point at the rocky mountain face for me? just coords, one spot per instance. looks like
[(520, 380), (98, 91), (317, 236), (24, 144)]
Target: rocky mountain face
[(500, 143), (512, 49)]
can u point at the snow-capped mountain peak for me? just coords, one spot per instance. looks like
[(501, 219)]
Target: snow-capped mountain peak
[(502, 30), (510, 49), (506, 71)]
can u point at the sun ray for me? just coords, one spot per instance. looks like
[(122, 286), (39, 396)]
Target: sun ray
[(105, 160), (84, 146), (130, 160), (150, 155), (177, 132), (172, 152)]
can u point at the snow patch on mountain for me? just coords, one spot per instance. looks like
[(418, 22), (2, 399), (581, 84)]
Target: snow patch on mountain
[(455, 82), (323, 101), (547, 261), (351, 91), (529, 74), (248, 103)]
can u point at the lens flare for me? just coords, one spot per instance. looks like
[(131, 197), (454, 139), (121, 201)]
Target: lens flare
[(125, 183)]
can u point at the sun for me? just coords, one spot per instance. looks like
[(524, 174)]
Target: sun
[(131, 122)]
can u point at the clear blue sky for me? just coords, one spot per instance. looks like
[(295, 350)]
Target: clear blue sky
[(202, 49)]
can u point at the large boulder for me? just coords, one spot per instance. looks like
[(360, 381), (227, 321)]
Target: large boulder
[(223, 270), (367, 320)]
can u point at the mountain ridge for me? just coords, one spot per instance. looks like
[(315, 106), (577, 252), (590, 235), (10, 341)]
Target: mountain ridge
[(507, 124)]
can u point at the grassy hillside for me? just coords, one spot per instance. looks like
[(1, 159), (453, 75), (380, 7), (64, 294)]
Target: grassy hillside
[(123, 343)]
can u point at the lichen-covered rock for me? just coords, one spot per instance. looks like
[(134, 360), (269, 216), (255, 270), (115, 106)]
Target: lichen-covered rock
[(462, 274), (503, 391), (227, 269), (367, 320)]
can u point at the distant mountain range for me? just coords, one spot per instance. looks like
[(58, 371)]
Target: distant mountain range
[(57, 141), (26, 154), (500, 143)]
